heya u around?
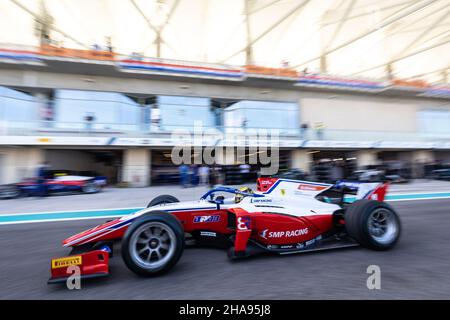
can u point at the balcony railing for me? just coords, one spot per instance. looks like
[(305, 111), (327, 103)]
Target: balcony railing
[(54, 128), (138, 63)]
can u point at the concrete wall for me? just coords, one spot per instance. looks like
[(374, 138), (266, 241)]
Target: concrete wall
[(301, 159), (19, 162), (35, 79), (423, 156), (136, 167), (366, 158)]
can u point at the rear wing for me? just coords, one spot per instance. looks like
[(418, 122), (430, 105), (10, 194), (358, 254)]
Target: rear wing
[(288, 187), (364, 190)]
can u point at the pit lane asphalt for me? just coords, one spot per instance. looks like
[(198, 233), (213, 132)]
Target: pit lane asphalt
[(419, 267)]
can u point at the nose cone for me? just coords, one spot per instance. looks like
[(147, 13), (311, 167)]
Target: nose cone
[(90, 234)]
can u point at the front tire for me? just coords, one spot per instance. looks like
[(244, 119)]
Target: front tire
[(373, 224), (153, 244), (163, 199)]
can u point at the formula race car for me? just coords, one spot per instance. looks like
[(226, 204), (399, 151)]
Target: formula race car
[(282, 217), (58, 184)]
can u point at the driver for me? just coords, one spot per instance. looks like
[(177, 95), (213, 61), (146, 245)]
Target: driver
[(238, 197)]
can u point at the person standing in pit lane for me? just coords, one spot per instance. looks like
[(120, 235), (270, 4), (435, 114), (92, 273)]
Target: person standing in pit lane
[(42, 175)]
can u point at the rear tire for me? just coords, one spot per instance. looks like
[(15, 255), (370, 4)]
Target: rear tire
[(373, 224), (153, 244), (163, 199), (90, 187), (9, 192)]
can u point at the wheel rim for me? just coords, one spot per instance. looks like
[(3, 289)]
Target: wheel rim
[(9, 193), (90, 187), (152, 245), (383, 226)]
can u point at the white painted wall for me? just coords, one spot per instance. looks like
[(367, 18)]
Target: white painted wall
[(345, 112), (18, 163), (136, 167)]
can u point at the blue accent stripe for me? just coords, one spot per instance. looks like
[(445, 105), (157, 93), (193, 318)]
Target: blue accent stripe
[(111, 141), (415, 196), (208, 73), (19, 57), (341, 84), (55, 216), (394, 197)]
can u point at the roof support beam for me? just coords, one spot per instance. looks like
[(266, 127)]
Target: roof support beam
[(263, 7), (337, 30), (249, 48), (442, 71), (273, 26), (341, 24), (423, 34), (159, 40), (439, 44), (386, 22), (38, 19), (359, 15), (396, 31), (445, 75)]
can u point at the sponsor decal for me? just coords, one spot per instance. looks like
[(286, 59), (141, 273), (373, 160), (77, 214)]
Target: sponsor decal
[(287, 246), (299, 245), (67, 261), (263, 233), (266, 234), (243, 223), (313, 241), (208, 234), (206, 219), (310, 187), (261, 200)]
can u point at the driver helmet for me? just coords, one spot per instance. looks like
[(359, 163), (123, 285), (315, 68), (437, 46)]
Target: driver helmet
[(238, 198)]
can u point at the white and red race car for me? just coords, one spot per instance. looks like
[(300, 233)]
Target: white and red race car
[(282, 217)]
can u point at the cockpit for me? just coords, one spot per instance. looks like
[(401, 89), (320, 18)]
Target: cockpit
[(217, 196)]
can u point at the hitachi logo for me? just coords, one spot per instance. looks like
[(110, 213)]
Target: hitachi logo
[(279, 234)]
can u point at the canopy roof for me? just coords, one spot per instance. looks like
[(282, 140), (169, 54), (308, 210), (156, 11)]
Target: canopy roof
[(353, 37)]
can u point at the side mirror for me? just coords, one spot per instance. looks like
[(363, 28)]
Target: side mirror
[(219, 199)]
